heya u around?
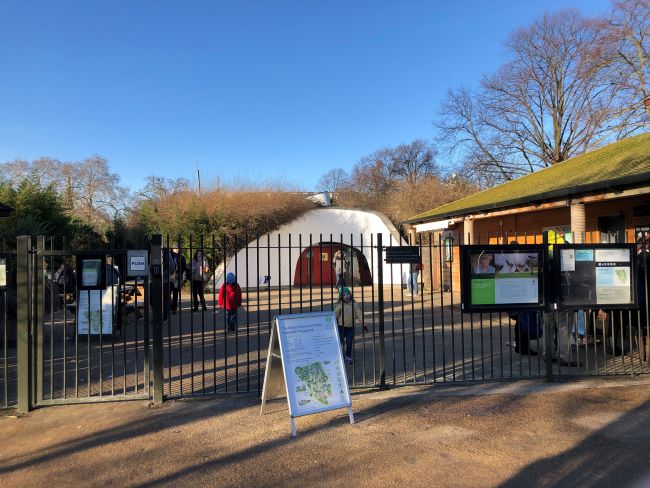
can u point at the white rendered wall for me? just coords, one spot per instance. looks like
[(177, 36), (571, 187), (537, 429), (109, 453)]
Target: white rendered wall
[(330, 223)]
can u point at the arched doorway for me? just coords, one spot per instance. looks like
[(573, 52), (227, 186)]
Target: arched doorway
[(316, 266)]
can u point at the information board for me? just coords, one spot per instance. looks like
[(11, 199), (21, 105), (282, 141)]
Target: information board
[(99, 315), (502, 278), (306, 349), (591, 276)]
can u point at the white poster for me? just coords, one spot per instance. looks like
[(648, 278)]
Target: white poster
[(516, 290), (613, 255), (613, 285), (3, 273), (90, 272), (313, 364), (96, 317), (567, 260)]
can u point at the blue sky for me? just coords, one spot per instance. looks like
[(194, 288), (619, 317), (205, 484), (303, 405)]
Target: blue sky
[(252, 90)]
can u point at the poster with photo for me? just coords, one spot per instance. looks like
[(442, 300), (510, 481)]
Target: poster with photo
[(502, 278)]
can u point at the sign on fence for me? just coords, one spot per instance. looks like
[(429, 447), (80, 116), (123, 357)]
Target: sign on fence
[(137, 263), (502, 278), (596, 276), (305, 358), (91, 272), (403, 254), (98, 317), (97, 308)]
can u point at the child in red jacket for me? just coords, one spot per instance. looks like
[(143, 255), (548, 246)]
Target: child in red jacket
[(230, 300)]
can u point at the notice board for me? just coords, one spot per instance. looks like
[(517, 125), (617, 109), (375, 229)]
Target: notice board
[(97, 308), (503, 277), (592, 276), (305, 349)]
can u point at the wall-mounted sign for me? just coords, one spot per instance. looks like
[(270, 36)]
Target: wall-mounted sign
[(502, 278), (3, 273), (137, 263), (402, 254), (91, 272), (592, 276)]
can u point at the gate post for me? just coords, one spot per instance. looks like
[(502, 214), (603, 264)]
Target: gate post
[(23, 336), (157, 306), (38, 312), (549, 314), (380, 299)]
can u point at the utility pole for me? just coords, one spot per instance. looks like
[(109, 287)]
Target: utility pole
[(198, 176)]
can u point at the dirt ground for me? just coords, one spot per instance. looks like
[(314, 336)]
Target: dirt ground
[(527, 433)]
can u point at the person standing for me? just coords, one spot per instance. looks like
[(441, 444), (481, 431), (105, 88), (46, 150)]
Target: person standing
[(230, 299), (348, 314), (412, 280), (199, 269), (339, 268), (178, 278)]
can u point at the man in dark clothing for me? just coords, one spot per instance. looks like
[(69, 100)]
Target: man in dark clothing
[(178, 278)]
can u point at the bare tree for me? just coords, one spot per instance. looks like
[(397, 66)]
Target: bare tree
[(159, 187), (332, 181), (371, 179), (98, 196), (88, 190), (15, 171), (551, 101), (627, 37), (412, 162)]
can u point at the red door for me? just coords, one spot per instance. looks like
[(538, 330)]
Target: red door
[(315, 266)]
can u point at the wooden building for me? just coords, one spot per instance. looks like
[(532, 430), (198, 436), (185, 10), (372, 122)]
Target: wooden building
[(601, 196)]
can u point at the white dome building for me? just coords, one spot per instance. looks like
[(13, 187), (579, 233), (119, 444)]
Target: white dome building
[(289, 255)]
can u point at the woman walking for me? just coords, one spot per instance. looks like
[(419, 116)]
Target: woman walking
[(200, 268)]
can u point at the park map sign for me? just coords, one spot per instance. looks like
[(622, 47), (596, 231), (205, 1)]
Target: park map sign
[(593, 276), (305, 363)]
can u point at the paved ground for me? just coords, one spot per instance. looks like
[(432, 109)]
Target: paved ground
[(589, 433)]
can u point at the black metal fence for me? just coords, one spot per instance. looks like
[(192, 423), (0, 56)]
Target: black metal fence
[(412, 330), (8, 377)]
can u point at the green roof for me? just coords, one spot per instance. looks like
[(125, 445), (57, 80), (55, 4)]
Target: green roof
[(621, 164)]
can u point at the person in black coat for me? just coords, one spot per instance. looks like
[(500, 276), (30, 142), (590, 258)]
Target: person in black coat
[(179, 278)]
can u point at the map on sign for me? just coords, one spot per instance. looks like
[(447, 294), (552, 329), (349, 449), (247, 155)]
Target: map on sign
[(315, 382), (97, 317)]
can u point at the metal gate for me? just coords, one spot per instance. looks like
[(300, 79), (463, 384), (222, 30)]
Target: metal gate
[(412, 330), (77, 346)]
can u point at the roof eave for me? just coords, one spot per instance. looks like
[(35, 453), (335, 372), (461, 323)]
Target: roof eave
[(611, 185)]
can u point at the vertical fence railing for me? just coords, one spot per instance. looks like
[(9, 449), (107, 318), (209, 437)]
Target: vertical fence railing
[(417, 332), (412, 338)]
